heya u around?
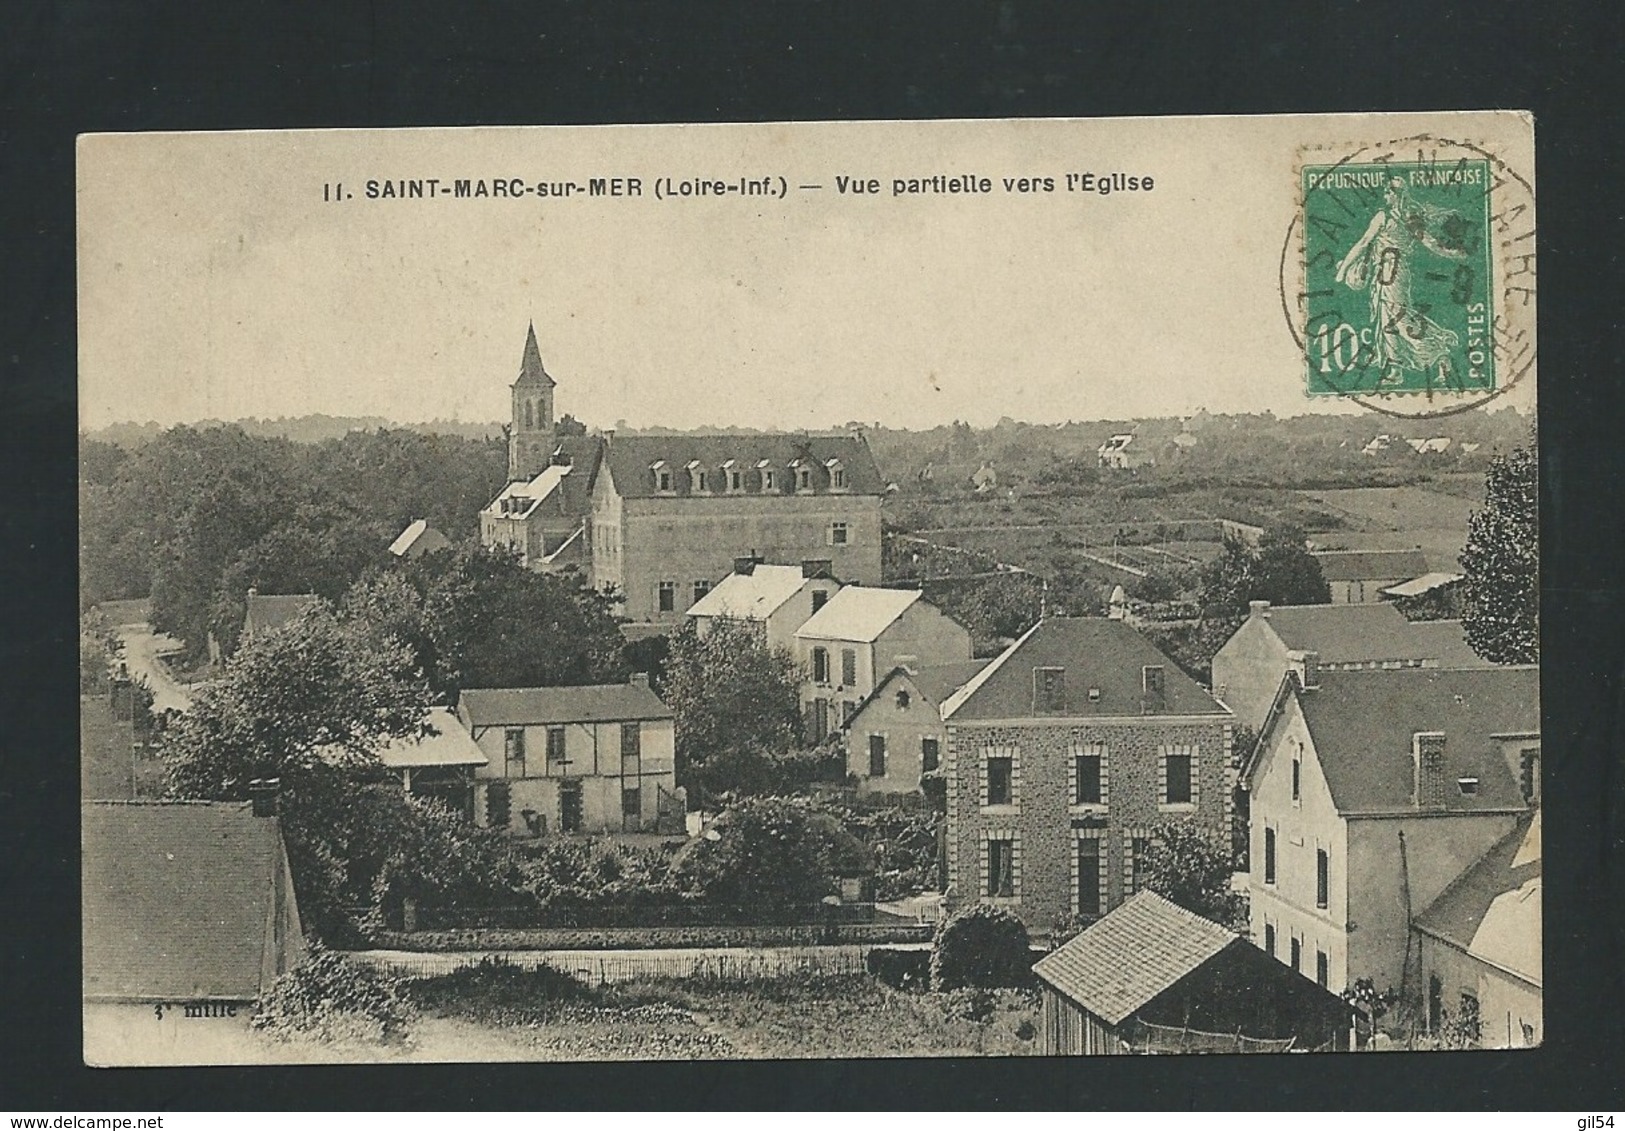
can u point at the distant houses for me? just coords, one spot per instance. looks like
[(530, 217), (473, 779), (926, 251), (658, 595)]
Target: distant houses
[(417, 539), (1358, 576), (1121, 453)]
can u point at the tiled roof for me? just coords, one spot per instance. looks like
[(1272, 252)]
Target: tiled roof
[(177, 899), (858, 612), (751, 596), (1097, 652), (449, 744), (1370, 565), (1363, 724), (266, 612), (632, 458), (1357, 633), (1120, 962), (531, 371), (1493, 910), (536, 706)]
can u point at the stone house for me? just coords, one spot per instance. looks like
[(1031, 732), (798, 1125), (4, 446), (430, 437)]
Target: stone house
[(592, 759), (546, 519), (777, 599), (897, 733), (859, 636), (1274, 639), (1357, 576), (1370, 793), (1063, 756), (1479, 944)]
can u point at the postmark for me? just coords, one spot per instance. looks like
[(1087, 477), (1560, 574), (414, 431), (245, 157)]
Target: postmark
[(1407, 275)]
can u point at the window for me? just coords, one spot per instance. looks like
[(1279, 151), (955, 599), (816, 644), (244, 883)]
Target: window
[(877, 755), (1088, 876), (1001, 870), (1468, 786), (1321, 968), (701, 588), (631, 740), (1269, 855), (555, 744), (1269, 939), (736, 481), (513, 747), (767, 480), (663, 480), (1049, 689), (837, 479), (632, 803), (849, 667), (699, 481), (820, 665), (819, 599), (1086, 768), (1297, 775), (666, 594), (1177, 765), (837, 534), (1322, 878), (1529, 775), (930, 753), (804, 479), (903, 700), (1001, 781), (1139, 851), (1297, 953)]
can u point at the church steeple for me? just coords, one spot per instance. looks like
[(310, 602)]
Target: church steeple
[(530, 439)]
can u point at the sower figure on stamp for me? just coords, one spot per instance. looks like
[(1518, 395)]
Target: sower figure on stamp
[(1381, 262)]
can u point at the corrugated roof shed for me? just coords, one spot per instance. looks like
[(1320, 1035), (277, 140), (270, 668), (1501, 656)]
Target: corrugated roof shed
[(1097, 653), (1120, 962), (177, 899), (1370, 565), (538, 706), (751, 596), (859, 613), (1363, 724), (1493, 910), (632, 458)]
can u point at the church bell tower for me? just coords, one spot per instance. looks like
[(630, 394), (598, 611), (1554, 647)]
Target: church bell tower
[(530, 439)]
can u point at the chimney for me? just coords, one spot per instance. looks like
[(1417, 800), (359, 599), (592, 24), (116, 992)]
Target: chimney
[(1258, 608), (253, 591), (747, 565), (638, 679), (263, 792), (1427, 756), (1307, 667), (1153, 697)]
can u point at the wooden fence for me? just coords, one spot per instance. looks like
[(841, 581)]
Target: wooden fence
[(724, 966)]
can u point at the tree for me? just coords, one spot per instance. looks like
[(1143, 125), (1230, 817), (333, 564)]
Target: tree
[(769, 855), (732, 695), (1500, 593), (1285, 572), (1191, 867), (981, 946)]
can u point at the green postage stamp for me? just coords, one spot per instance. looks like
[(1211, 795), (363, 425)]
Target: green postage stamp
[(1398, 278)]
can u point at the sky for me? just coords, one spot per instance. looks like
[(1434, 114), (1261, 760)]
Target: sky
[(216, 283)]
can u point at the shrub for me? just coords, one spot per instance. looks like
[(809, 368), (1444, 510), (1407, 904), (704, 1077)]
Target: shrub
[(981, 946), (330, 998), (901, 969), (495, 991)]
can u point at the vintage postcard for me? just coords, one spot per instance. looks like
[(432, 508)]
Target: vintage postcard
[(1043, 587)]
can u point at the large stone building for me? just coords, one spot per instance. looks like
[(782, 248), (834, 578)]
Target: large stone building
[(661, 519), (1064, 755)]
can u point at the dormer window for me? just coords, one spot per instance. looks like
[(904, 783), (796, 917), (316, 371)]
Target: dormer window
[(733, 476), (837, 474), (1468, 786), (696, 475), (767, 474), (662, 473), (802, 475)]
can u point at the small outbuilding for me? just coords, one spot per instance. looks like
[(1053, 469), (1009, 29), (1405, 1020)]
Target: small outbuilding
[(1152, 977)]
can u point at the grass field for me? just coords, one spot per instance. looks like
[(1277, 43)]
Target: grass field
[(1399, 518)]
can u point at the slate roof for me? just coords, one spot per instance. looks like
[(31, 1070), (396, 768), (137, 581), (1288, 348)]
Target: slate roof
[(1356, 633), (1363, 722), (531, 370), (538, 706), (1493, 910), (1096, 652), (631, 459), (418, 538), (1370, 565), (450, 744), (270, 611), (1120, 962), (935, 683), (1446, 641), (177, 899), (858, 612), (751, 596)]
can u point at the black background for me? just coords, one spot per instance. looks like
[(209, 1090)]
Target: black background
[(102, 66)]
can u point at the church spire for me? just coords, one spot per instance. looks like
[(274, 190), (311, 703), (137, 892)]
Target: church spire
[(531, 371)]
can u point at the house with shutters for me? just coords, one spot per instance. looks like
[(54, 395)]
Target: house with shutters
[(1357, 576), (1371, 792), (775, 599), (1063, 756), (896, 735), (1274, 639), (592, 759), (855, 640), (672, 514)]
